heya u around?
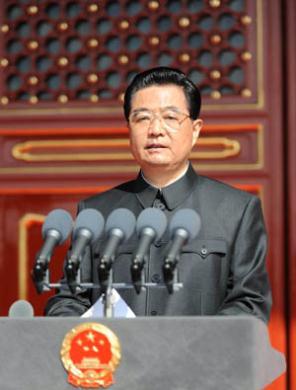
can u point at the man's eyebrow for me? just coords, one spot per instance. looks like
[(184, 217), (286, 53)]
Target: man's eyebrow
[(173, 108), (141, 109)]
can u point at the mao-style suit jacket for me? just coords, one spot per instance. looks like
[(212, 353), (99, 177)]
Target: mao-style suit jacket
[(223, 270)]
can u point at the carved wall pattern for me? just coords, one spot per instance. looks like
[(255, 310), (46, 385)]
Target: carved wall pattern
[(73, 51), (221, 147), (80, 95)]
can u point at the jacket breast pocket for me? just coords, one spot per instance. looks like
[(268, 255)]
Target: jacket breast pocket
[(203, 264)]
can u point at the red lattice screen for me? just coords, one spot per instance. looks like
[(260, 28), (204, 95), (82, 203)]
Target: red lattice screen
[(73, 51)]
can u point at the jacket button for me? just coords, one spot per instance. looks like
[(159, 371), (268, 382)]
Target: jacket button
[(157, 204), (155, 278), (204, 251), (154, 313), (157, 244)]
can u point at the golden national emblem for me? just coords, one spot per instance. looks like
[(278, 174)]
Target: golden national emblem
[(90, 353)]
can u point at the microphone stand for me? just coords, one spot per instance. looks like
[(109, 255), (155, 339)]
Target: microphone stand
[(137, 274), (73, 277), (170, 275), (107, 297), (106, 284), (40, 276)]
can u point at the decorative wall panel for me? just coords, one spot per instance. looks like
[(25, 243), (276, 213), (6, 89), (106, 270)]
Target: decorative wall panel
[(67, 53), (106, 150), (64, 67)]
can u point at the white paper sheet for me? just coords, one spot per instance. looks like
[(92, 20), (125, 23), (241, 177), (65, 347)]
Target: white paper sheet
[(120, 308)]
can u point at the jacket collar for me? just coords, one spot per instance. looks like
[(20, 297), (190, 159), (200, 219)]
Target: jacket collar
[(173, 195)]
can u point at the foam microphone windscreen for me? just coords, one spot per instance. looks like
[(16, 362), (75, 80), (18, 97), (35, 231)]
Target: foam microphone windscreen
[(186, 219), (91, 220), (21, 309), (122, 219), (59, 220), (152, 218)]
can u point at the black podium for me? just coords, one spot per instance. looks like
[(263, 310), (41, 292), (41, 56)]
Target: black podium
[(180, 353)]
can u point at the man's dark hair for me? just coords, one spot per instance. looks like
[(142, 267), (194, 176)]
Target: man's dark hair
[(164, 76)]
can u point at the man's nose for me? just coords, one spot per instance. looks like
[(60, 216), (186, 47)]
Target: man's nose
[(156, 126)]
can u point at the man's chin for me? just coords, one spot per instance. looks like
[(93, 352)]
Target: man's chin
[(157, 161), (155, 164)]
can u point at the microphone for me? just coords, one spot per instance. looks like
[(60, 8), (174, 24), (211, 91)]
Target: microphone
[(21, 309), (151, 225), (55, 230), (88, 228), (119, 227), (184, 226)]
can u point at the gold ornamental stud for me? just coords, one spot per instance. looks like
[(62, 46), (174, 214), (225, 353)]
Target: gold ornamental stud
[(63, 99), (32, 10), (63, 26), (184, 57), (92, 78), (184, 22), (216, 95), (33, 99), (94, 98), (216, 39), (32, 45), (215, 74), (124, 24), (123, 59), (4, 100), (63, 61), (246, 20), (93, 8), (214, 3), (154, 40), (33, 80), (153, 5), (4, 62), (246, 56), (93, 42), (4, 28), (247, 93)]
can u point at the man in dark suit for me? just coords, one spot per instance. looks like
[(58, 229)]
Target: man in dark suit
[(223, 270)]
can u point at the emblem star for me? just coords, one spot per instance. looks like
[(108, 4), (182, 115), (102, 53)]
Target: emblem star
[(79, 342), (91, 336)]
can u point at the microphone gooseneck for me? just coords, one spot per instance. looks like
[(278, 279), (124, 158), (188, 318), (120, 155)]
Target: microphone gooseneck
[(88, 228), (150, 227), (55, 230), (184, 226), (119, 227)]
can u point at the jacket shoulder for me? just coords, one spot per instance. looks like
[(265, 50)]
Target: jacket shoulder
[(110, 197), (219, 190)]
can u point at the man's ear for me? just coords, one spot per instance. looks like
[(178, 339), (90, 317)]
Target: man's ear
[(197, 126)]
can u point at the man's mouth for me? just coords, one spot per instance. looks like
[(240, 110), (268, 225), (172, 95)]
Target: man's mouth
[(155, 146)]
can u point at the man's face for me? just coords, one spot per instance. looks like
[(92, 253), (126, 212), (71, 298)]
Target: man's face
[(161, 131)]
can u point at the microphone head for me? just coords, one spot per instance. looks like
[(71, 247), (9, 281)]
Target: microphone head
[(59, 220), (186, 219), (91, 220), (122, 219), (152, 218), (21, 309)]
